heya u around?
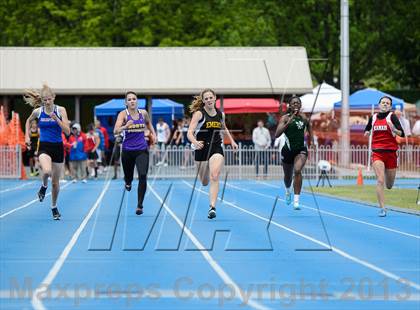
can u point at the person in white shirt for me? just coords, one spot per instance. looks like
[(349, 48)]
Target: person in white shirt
[(262, 141), (416, 128), (163, 133), (405, 123)]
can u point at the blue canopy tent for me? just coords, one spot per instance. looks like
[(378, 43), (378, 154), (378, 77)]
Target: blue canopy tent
[(167, 109), (367, 100)]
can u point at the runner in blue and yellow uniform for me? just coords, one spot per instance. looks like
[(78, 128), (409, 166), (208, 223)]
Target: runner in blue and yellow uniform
[(294, 152), (52, 121)]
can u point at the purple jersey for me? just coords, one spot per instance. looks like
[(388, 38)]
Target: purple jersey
[(133, 137)]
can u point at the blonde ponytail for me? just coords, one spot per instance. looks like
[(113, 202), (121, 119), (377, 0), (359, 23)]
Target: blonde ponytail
[(32, 97), (196, 104)]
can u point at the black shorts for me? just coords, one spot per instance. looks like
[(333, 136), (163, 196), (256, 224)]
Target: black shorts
[(31, 152), (92, 155), (288, 156), (54, 150), (207, 151)]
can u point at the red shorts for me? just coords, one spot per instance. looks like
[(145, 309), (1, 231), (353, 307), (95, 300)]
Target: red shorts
[(388, 158)]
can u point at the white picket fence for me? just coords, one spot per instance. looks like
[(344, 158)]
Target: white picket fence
[(178, 162), (10, 161)]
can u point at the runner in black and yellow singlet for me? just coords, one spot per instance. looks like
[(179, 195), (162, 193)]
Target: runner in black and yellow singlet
[(33, 148), (209, 130), (205, 134), (294, 152)]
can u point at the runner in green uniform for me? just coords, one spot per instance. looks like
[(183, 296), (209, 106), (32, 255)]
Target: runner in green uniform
[(294, 152)]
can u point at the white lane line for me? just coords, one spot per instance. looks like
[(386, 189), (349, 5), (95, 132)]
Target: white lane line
[(16, 187), (335, 249), (332, 214), (28, 204), (212, 262), (43, 287)]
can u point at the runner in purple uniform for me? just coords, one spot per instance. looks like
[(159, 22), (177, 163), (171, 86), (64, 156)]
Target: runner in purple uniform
[(132, 123)]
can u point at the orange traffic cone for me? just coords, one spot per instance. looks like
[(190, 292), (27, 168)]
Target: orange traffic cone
[(23, 175), (360, 177)]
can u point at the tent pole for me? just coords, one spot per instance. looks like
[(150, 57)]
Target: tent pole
[(77, 109), (149, 107), (345, 83)]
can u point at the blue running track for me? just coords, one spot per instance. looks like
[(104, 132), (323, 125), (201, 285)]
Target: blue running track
[(101, 255)]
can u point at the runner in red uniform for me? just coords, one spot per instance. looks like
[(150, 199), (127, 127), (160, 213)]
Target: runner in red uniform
[(384, 126)]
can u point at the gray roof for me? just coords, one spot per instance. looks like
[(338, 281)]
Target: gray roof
[(156, 70)]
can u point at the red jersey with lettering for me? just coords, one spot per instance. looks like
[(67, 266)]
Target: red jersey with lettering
[(382, 136)]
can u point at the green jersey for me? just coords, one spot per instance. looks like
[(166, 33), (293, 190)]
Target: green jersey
[(295, 133)]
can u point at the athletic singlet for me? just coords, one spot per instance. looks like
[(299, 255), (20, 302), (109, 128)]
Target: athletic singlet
[(382, 136), (49, 129), (209, 128), (295, 133), (133, 137), (34, 136)]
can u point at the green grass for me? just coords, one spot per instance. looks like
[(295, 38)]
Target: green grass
[(402, 198)]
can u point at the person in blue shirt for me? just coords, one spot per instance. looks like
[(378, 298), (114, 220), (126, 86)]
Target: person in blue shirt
[(77, 154), (52, 122)]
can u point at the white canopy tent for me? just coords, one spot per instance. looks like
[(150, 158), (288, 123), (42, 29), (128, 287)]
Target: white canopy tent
[(327, 96)]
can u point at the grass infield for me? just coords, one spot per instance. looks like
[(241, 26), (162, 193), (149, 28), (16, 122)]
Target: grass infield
[(397, 197)]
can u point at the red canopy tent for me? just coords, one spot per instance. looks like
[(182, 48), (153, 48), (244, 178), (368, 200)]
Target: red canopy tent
[(248, 105)]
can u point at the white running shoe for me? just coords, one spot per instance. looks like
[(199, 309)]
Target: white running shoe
[(382, 212)]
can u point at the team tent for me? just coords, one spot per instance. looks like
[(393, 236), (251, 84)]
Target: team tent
[(366, 100), (249, 105), (167, 109), (327, 96)]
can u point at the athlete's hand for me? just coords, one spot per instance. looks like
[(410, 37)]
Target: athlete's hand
[(128, 124), (234, 145), (54, 116), (152, 139), (199, 145), (294, 114), (28, 142)]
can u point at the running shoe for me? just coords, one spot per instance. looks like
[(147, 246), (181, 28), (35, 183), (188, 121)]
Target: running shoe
[(382, 212), (128, 187), (56, 214), (288, 198), (212, 213), (41, 193), (139, 210), (296, 206)]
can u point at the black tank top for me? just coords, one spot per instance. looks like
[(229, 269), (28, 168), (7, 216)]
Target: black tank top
[(209, 128), (34, 136)]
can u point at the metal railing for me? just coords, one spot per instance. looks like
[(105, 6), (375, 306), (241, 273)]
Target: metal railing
[(10, 161), (178, 162)]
